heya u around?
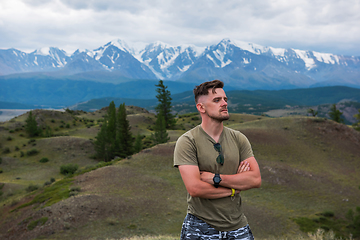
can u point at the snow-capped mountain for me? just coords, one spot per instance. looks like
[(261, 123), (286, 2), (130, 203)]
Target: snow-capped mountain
[(244, 65), (41, 60), (168, 62)]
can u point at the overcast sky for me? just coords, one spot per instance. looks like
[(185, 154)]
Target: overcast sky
[(330, 26)]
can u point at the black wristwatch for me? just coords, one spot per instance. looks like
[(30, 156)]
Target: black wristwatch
[(217, 179)]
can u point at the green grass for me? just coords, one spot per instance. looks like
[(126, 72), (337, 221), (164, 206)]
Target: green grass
[(52, 194), (35, 223)]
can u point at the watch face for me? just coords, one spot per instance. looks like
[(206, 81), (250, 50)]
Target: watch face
[(217, 179)]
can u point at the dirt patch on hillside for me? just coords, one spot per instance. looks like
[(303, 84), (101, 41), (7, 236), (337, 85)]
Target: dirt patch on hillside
[(270, 136), (336, 134), (71, 213)]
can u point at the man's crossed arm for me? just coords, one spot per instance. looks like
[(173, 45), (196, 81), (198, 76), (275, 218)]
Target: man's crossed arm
[(200, 184)]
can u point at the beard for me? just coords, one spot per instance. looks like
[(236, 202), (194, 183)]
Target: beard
[(219, 117)]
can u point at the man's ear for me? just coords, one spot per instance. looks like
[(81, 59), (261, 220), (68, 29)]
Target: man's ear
[(200, 107)]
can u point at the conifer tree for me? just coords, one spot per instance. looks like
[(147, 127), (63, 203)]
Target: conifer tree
[(124, 137), (164, 106), (111, 129), (160, 135), (313, 112), (138, 145), (112, 120), (335, 114), (102, 144), (114, 137), (31, 126)]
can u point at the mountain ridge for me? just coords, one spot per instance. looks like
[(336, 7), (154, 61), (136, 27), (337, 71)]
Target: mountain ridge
[(243, 65)]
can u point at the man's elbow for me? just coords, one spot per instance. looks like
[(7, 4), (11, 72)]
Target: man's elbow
[(194, 192), (257, 182)]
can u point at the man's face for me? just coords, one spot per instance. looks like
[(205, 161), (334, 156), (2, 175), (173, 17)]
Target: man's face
[(215, 105)]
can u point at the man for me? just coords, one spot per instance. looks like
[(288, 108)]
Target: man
[(215, 163)]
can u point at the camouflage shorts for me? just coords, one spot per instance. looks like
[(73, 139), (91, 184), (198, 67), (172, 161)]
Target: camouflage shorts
[(196, 229)]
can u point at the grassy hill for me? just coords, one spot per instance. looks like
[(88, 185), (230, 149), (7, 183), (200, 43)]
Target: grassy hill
[(309, 169)]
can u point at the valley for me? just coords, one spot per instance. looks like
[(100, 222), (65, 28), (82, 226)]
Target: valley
[(309, 166)]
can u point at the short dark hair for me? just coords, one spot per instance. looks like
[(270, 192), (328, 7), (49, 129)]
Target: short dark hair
[(203, 89)]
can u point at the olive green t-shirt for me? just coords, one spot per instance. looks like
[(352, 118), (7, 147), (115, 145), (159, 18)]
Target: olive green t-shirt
[(196, 147)]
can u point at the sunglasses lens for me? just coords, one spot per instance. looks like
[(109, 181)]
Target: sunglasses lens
[(220, 159), (217, 147)]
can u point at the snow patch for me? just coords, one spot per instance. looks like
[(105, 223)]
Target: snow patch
[(250, 47), (45, 51), (185, 68), (220, 56), (326, 58), (278, 51), (246, 61), (211, 59), (304, 55)]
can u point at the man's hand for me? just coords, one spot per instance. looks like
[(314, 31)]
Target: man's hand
[(208, 176), (244, 166)]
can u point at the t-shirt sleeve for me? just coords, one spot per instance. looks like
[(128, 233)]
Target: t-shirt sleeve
[(185, 151), (244, 147)]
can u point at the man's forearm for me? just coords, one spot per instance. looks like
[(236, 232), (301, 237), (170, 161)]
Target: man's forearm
[(241, 181), (198, 188), (248, 176), (210, 192)]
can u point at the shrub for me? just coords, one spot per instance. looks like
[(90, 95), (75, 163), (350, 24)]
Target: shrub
[(68, 169), (6, 150), (328, 214), (33, 224), (32, 188), (74, 191), (9, 138), (0, 160), (1, 171), (32, 152), (52, 179), (44, 160)]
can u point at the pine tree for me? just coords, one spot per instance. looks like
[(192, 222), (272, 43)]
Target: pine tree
[(31, 126), (124, 137), (102, 144), (335, 114), (164, 106), (114, 137), (313, 112), (111, 129), (160, 135), (138, 145), (112, 120)]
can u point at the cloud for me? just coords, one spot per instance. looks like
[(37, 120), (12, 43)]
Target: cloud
[(319, 25)]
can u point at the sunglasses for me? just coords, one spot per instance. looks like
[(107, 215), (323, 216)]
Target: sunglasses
[(220, 158)]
